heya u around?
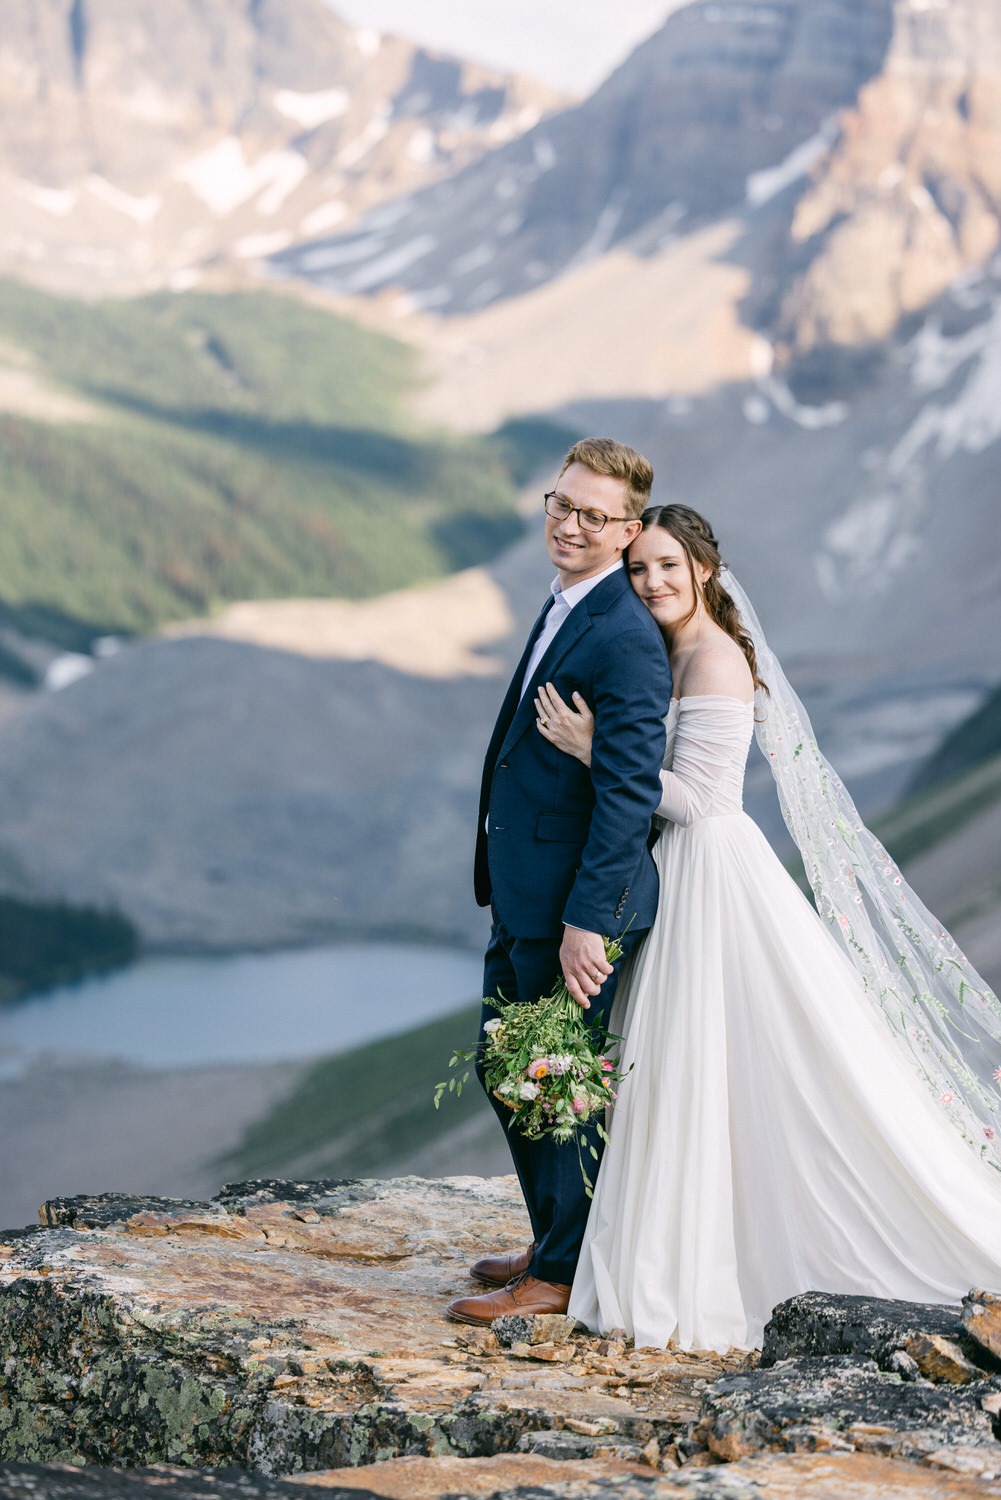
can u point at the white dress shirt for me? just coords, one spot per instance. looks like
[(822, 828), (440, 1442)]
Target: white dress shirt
[(564, 602)]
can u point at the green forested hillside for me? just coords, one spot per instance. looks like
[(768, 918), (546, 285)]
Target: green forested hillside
[(245, 446), (48, 943), (351, 1114)]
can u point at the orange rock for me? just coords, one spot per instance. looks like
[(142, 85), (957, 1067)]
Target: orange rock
[(941, 1359), (429, 1478), (982, 1320), (223, 1226)]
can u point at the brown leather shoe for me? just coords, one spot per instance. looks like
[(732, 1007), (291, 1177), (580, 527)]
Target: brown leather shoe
[(525, 1295), (498, 1270)]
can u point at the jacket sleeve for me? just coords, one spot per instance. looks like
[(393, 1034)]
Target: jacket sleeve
[(631, 687)]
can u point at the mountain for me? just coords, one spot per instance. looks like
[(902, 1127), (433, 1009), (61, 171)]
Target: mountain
[(823, 382), (721, 92), (858, 142), (140, 139), (909, 198)]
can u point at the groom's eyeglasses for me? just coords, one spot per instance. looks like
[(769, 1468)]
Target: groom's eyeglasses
[(590, 520)]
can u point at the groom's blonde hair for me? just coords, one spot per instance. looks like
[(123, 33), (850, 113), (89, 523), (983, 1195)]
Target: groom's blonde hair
[(606, 456)]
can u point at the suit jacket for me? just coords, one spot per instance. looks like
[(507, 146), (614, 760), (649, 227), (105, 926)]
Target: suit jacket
[(567, 842)]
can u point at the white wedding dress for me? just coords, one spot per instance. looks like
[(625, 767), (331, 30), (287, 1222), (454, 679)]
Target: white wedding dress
[(771, 1137)]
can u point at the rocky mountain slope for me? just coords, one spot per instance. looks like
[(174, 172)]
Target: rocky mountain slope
[(139, 140), (857, 146), (760, 309), (909, 198), (295, 1329), (722, 91)]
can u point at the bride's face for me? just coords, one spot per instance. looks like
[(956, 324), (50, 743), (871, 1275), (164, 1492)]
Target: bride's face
[(660, 573)]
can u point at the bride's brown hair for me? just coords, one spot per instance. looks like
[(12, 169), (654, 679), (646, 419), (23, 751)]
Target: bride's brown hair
[(695, 536)]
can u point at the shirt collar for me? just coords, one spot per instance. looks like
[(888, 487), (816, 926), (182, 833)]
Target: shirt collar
[(577, 591)]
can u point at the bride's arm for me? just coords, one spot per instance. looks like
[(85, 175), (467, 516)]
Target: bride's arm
[(717, 688)]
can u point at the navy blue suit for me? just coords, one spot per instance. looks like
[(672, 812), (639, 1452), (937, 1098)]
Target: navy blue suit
[(568, 843)]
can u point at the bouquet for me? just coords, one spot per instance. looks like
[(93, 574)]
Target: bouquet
[(549, 1065)]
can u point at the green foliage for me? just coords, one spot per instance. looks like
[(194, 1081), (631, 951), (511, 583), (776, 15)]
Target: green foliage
[(246, 446), (46, 944), (351, 1114)]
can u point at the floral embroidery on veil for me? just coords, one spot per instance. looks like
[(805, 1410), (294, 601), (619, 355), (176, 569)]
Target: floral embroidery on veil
[(944, 1016)]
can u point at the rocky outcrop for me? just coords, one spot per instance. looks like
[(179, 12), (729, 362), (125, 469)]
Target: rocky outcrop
[(720, 92), (296, 1332), (818, 1323), (859, 144), (841, 1402), (289, 1327), (141, 138), (911, 196)]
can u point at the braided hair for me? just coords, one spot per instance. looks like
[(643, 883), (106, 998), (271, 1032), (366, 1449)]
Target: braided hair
[(695, 536)]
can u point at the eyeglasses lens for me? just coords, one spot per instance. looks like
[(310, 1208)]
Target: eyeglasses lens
[(559, 509)]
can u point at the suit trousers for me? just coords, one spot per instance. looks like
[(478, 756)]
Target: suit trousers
[(523, 970)]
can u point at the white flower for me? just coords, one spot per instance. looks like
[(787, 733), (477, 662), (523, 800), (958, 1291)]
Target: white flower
[(528, 1091), (491, 1026)]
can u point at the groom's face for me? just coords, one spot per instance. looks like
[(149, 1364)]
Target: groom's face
[(577, 552)]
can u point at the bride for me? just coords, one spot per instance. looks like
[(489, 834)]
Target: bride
[(811, 1100)]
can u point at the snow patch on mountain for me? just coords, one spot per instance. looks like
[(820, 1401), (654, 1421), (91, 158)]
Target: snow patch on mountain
[(879, 533), (770, 181), (311, 110), (143, 210), (56, 201), (224, 180)]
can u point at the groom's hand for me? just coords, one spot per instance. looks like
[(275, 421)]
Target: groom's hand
[(585, 967)]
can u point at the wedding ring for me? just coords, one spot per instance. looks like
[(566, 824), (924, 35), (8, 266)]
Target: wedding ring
[(543, 721)]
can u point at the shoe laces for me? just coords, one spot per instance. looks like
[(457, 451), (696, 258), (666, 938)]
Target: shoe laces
[(517, 1281)]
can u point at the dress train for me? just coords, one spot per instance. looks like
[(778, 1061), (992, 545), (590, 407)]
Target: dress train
[(770, 1138)]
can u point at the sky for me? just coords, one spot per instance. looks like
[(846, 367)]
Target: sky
[(572, 44)]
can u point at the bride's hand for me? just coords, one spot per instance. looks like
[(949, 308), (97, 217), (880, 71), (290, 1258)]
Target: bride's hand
[(569, 729)]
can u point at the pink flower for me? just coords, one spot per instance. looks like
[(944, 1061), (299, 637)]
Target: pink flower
[(997, 1074), (988, 1132), (578, 1105), (606, 1066), (538, 1069), (946, 1098)]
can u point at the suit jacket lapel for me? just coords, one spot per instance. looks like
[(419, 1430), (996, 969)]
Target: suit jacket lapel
[(577, 622), (509, 707)]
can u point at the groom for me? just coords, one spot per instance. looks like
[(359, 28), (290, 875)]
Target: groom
[(561, 851)]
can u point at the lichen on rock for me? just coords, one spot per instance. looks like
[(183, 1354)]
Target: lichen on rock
[(297, 1331)]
